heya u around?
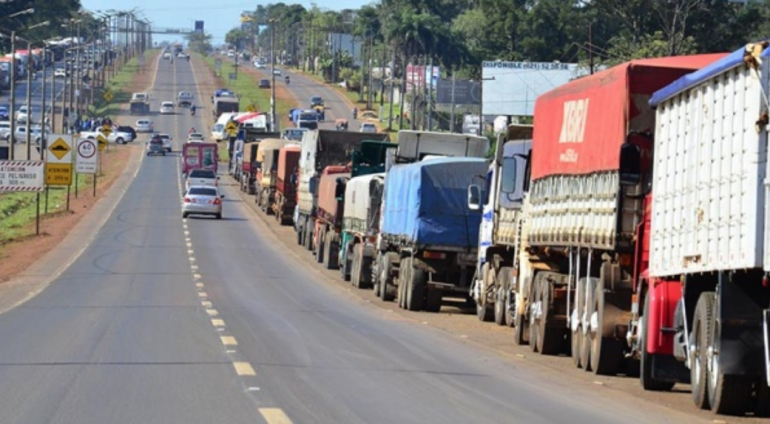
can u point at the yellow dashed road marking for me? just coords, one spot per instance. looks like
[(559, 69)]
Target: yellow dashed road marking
[(199, 285), (218, 322), (206, 304), (244, 369), (196, 276), (203, 294), (229, 341), (274, 416), (212, 312)]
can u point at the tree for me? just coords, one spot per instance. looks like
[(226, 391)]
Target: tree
[(237, 37), (199, 42)]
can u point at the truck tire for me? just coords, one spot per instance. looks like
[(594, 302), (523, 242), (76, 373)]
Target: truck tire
[(576, 335), (534, 320), (416, 285), (606, 352), (500, 306), (309, 230), (433, 299), (404, 271), (387, 290), (355, 268), (300, 233), (505, 280), (728, 394), (484, 311), (762, 408), (585, 333), (318, 248), (701, 337), (331, 251), (646, 378), (550, 338), (367, 267)]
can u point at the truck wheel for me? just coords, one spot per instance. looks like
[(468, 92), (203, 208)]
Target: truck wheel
[(331, 251), (500, 310), (520, 329), (404, 269), (728, 394), (433, 299), (300, 231), (505, 279), (367, 265), (646, 378), (484, 311), (701, 339), (355, 269), (550, 337), (309, 229), (318, 248), (585, 319), (387, 291), (534, 316), (606, 352), (762, 408), (576, 329), (415, 295)]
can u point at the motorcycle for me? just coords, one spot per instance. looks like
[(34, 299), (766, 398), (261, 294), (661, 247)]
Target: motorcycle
[(287, 80), (192, 111)]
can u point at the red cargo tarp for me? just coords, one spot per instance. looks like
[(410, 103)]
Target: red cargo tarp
[(245, 117), (580, 126)]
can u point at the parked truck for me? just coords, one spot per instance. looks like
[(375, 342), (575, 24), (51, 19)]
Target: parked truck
[(575, 277), (357, 252), (428, 235), (494, 285), (286, 183), (328, 216), (321, 148), (705, 298), (265, 182), (225, 104), (199, 155)]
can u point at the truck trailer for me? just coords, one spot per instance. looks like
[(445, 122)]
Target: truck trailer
[(579, 231), (705, 298), (265, 182), (360, 226), (286, 183)]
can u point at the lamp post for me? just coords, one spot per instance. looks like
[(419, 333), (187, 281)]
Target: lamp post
[(29, 90), (273, 121)]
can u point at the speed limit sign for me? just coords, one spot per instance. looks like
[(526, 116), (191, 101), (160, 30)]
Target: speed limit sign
[(87, 156)]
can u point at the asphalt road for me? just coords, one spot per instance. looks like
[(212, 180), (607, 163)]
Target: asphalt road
[(165, 320)]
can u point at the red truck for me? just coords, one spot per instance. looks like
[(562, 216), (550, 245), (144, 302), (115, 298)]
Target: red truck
[(328, 221), (199, 155), (576, 286), (286, 184)]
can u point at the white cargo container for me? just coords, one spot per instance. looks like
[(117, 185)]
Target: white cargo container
[(708, 235)]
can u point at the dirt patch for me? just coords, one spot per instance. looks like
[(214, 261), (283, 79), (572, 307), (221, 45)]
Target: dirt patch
[(18, 255)]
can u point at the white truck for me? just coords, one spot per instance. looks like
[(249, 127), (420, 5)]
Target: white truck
[(494, 287), (709, 239)]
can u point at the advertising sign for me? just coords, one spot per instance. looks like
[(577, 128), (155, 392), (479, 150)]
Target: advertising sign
[(511, 88), (87, 156), (22, 175), (417, 75), (466, 92)]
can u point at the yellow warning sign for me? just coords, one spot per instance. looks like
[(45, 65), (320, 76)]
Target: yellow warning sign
[(108, 95), (251, 108), (106, 130), (59, 148), (102, 141), (58, 174), (231, 128)]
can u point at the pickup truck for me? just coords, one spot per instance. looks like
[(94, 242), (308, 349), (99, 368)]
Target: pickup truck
[(119, 137)]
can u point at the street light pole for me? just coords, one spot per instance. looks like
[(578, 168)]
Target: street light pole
[(273, 120), (29, 100), (13, 93)]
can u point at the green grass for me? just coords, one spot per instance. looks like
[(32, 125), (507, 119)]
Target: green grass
[(117, 85), (246, 85)]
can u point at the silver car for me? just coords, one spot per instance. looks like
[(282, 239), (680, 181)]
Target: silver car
[(202, 200), (143, 126)]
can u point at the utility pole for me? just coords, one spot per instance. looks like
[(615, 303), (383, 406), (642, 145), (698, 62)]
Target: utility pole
[(591, 47), (371, 66), (452, 111), (64, 110), (412, 110), (363, 73), (430, 95), (43, 114), (273, 120), (53, 97), (77, 80), (29, 100), (392, 89), (13, 94)]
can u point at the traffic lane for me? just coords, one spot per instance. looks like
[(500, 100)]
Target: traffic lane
[(121, 335), (335, 106), (328, 357)]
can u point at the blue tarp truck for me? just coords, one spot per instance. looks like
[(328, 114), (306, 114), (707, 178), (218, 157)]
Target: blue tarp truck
[(428, 236)]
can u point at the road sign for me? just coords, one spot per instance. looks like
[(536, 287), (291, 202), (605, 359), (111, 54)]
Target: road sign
[(231, 128), (87, 156), (231, 76), (251, 108), (106, 130), (22, 175), (58, 174), (59, 148), (102, 140), (108, 95)]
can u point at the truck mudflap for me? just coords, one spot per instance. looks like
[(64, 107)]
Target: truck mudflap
[(766, 332)]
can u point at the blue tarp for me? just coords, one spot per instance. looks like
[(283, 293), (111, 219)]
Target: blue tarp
[(426, 202), (695, 78)]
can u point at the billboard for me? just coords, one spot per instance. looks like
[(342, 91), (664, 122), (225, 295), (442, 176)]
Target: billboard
[(416, 75), (466, 92), (199, 27), (346, 43), (510, 88)]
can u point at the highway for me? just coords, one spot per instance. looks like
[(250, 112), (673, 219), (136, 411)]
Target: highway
[(165, 320)]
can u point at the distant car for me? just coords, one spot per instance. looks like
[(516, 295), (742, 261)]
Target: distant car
[(231, 53), (294, 133), (34, 114), (5, 130), (368, 127), (182, 55), (155, 147), (60, 73), (202, 200), (4, 112), (167, 108), (184, 99), (260, 65), (195, 138), (264, 83), (201, 177), (316, 101), (166, 140), (167, 55), (20, 134), (144, 126), (277, 71)]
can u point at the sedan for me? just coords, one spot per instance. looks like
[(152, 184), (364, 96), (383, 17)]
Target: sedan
[(277, 71), (264, 83), (155, 147), (195, 138), (368, 127), (166, 140), (60, 73), (143, 126), (4, 112), (167, 108), (202, 200)]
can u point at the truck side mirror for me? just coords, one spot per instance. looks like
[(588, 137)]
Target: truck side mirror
[(339, 190), (312, 185), (474, 197), (293, 179), (630, 165)]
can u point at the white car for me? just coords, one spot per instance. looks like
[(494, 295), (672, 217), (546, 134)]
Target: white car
[(117, 137), (167, 146), (36, 134), (167, 108), (60, 73), (201, 177), (202, 200), (277, 71), (368, 127), (143, 126), (24, 111), (195, 138), (167, 55), (260, 65), (182, 55)]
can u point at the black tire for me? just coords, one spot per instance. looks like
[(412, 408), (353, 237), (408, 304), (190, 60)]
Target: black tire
[(120, 140), (415, 296), (484, 312), (433, 299), (534, 330), (500, 306), (701, 334), (309, 230), (185, 214), (387, 291), (505, 279), (219, 216), (762, 407), (344, 266), (585, 343), (355, 268), (299, 232), (606, 353), (646, 378), (576, 336), (551, 337), (319, 246)]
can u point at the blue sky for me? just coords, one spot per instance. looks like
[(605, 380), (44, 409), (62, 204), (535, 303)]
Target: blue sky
[(219, 16)]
